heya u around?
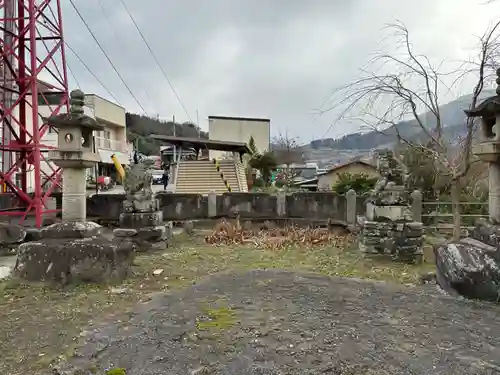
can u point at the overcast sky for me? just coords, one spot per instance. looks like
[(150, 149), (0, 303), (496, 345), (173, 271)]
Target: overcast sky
[(256, 58)]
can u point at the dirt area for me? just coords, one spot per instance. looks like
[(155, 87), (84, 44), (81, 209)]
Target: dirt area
[(43, 325), (280, 322)]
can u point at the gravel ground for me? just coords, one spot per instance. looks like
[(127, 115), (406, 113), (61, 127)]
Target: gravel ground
[(277, 322)]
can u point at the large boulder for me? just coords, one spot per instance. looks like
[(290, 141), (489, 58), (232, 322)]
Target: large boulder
[(469, 268), (89, 260)]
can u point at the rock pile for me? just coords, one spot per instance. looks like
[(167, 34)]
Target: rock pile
[(402, 240), (388, 227)]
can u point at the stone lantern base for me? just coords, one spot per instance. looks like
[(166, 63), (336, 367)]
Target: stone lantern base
[(145, 229), (71, 252)]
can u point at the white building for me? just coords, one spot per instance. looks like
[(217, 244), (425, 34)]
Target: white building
[(112, 140), (239, 129)]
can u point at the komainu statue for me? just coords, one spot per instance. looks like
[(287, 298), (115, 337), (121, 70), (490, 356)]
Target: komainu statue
[(138, 193)]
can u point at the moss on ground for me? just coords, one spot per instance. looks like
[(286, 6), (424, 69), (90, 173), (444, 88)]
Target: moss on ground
[(221, 318), (42, 324)]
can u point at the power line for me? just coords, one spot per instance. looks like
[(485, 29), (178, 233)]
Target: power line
[(72, 74), (93, 74), (106, 55), (155, 59), (118, 40)]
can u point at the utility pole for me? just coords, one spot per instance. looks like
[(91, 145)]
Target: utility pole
[(175, 148), (198, 124)]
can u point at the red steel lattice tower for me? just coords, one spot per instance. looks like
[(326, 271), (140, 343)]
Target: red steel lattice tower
[(33, 86)]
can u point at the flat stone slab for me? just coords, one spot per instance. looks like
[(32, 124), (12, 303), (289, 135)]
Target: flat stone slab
[(276, 322), (71, 229)]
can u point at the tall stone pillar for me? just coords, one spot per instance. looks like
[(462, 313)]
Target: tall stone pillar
[(494, 193), (74, 194)]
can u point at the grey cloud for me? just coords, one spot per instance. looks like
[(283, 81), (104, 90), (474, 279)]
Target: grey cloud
[(239, 57)]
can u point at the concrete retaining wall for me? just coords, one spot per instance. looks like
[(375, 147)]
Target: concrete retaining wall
[(178, 207)]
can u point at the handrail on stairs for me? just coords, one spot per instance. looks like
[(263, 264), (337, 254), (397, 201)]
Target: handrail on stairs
[(217, 166)]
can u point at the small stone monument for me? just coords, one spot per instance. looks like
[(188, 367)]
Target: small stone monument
[(74, 250), (142, 219), (471, 267), (388, 227)]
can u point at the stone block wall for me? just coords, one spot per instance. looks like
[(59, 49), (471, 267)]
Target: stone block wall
[(401, 240), (248, 205), (179, 207), (316, 205)]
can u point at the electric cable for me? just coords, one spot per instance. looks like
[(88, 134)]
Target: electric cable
[(156, 60), (106, 55), (73, 75), (119, 41), (93, 74)]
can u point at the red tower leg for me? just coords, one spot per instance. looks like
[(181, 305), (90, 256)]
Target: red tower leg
[(33, 86)]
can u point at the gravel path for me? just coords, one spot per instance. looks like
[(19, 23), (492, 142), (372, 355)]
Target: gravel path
[(277, 322)]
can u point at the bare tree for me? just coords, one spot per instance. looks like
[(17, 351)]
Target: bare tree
[(287, 152), (413, 86)]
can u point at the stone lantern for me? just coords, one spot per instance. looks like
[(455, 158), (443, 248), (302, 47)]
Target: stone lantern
[(74, 250), (488, 149), (471, 266), (74, 155)]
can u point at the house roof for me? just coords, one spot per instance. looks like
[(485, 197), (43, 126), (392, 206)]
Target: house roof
[(311, 181), (186, 142), (239, 118), (340, 166), (314, 180)]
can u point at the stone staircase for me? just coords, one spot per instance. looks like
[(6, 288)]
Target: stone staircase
[(201, 177)]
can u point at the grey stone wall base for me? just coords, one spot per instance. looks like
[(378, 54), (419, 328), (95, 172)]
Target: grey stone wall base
[(88, 260)]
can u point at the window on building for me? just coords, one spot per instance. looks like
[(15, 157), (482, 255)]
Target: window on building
[(107, 139), (50, 98)]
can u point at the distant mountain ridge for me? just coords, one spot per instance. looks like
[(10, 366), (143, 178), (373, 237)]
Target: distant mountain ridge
[(452, 117)]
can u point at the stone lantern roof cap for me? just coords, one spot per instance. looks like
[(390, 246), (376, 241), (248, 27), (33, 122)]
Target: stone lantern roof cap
[(76, 116), (488, 107), (69, 120)]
